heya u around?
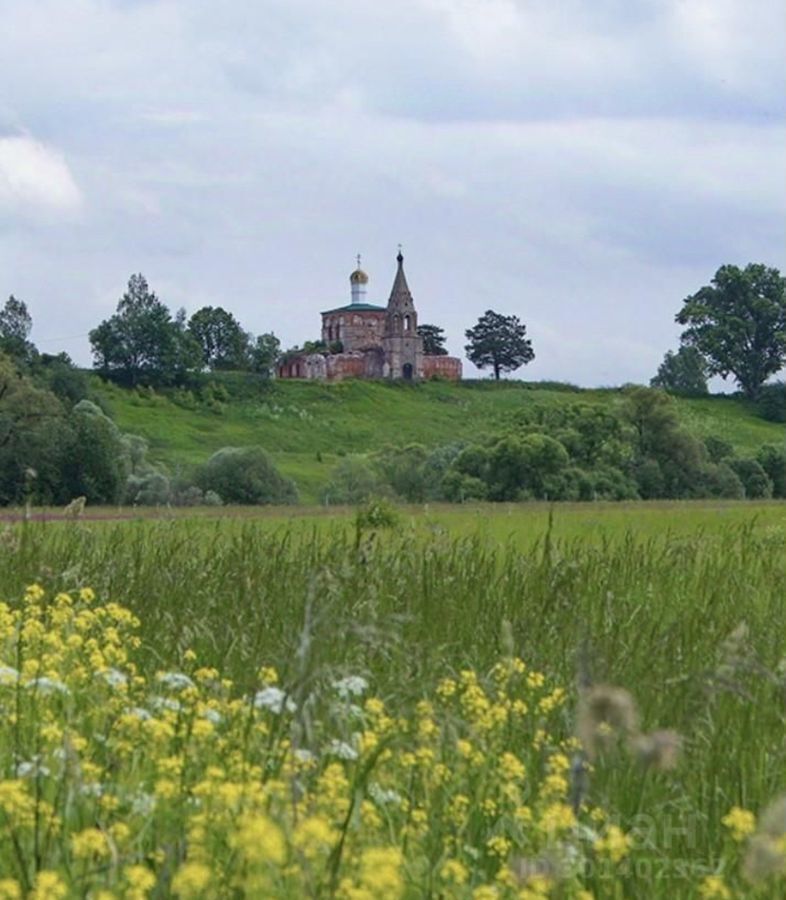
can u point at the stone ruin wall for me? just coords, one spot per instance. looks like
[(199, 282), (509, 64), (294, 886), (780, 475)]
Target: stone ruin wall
[(355, 330), (447, 367)]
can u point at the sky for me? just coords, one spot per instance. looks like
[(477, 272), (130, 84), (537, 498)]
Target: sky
[(582, 165)]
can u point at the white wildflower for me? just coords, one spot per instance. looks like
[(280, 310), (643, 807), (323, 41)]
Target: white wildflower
[(114, 677), (383, 796), (141, 713), (213, 716), (31, 769), (166, 703), (143, 804), (351, 686), (274, 699), (92, 789), (47, 685), (8, 675), (342, 750), (177, 681)]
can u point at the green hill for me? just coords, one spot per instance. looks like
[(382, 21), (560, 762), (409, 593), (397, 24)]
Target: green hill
[(307, 426)]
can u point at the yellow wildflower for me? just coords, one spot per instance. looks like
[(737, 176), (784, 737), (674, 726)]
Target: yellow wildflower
[(614, 844), (90, 843), (191, 880), (48, 886), (454, 872), (9, 889), (714, 888), (740, 822)]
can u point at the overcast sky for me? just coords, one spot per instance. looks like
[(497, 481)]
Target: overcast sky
[(584, 164)]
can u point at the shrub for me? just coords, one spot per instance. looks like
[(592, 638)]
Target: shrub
[(754, 479), (352, 481), (98, 464), (458, 487), (245, 475), (771, 404), (717, 449), (719, 480), (377, 514), (149, 489), (773, 460)]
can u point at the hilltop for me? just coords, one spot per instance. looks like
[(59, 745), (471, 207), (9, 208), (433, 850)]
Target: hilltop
[(308, 426)]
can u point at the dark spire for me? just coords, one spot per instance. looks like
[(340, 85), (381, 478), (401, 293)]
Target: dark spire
[(400, 291)]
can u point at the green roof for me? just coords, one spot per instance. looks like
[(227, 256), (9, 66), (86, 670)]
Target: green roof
[(356, 307)]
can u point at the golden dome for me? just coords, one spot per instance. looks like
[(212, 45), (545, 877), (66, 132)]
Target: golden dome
[(358, 277)]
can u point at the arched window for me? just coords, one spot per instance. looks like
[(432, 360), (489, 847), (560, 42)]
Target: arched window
[(406, 323)]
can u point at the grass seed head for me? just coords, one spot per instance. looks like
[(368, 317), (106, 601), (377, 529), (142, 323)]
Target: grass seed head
[(658, 750), (605, 714)]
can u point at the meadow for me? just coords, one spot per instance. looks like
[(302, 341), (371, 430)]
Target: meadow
[(496, 702)]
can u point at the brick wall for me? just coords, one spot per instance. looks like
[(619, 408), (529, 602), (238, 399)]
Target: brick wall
[(355, 330), (448, 367)]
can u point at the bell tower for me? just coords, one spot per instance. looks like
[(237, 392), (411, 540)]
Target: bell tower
[(402, 344)]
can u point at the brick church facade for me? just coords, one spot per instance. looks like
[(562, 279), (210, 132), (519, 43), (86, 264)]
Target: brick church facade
[(375, 341)]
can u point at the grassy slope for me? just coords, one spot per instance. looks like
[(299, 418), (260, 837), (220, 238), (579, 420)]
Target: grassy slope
[(297, 420)]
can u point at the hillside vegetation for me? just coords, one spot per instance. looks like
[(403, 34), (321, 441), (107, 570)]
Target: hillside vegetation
[(308, 426)]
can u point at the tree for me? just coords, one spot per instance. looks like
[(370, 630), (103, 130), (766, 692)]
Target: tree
[(33, 435), (142, 339), (245, 475), (265, 353), (16, 324), (738, 323), (683, 372), (500, 342), (97, 464), (223, 343), (433, 340)]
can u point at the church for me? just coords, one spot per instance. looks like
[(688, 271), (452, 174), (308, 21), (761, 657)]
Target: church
[(372, 341)]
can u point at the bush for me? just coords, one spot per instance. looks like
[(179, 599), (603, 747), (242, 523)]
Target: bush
[(719, 480), (773, 460), (459, 488), (352, 481), (771, 404), (649, 479), (404, 470), (98, 464), (149, 489), (754, 479), (377, 514), (245, 475), (717, 449)]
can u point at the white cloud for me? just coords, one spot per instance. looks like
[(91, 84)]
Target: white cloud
[(582, 165), (35, 180)]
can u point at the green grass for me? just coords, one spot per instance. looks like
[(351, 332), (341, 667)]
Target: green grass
[(306, 426), (639, 595)]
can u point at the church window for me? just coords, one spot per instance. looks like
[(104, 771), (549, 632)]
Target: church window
[(406, 323)]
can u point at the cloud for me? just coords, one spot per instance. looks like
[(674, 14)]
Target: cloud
[(35, 180), (582, 165)]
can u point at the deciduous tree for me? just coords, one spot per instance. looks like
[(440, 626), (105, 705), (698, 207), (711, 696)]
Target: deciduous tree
[(500, 342), (142, 339), (683, 372), (738, 322), (223, 343)]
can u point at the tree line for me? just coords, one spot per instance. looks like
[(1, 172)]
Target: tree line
[(635, 449)]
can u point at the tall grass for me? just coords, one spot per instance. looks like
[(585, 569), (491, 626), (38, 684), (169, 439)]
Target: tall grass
[(691, 626)]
